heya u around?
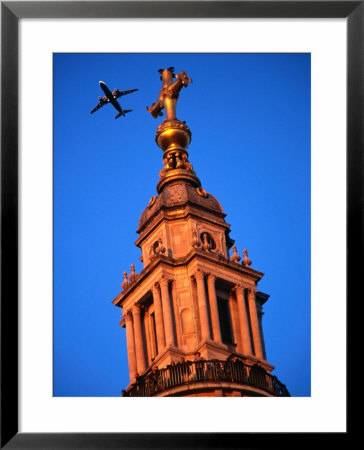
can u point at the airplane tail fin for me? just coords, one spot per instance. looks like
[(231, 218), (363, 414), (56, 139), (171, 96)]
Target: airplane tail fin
[(122, 113)]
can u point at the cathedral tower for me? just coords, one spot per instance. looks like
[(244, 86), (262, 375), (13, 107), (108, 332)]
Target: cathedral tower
[(193, 315)]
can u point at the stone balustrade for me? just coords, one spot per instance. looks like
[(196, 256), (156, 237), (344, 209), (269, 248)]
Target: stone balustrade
[(213, 371)]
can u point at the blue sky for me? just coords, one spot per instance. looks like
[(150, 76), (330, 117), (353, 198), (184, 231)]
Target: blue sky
[(250, 120)]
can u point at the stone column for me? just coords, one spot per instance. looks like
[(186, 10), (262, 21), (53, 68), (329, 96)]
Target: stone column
[(214, 308), (130, 344), (138, 336), (158, 315), (149, 340), (255, 324), (167, 312), (202, 305), (243, 321)]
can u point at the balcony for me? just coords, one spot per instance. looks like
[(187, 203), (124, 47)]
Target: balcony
[(214, 371)]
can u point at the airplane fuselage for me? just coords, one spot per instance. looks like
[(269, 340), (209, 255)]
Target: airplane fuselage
[(111, 98)]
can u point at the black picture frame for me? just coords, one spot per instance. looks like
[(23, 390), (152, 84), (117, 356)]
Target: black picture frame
[(11, 12)]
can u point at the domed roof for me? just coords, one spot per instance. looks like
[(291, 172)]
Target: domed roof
[(179, 193)]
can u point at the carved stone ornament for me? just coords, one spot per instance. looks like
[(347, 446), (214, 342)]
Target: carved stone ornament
[(205, 243), (246, 261), (128, 315), (208, 243), (199, 274), (133, 275), (137, 309), (251, 293), (235, 257), (195, 240), (156, 289), (158, 247), (200, 191), (238, 287), (125, 283), (164, 281)]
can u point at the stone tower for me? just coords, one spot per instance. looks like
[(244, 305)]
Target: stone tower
[(193, 315)]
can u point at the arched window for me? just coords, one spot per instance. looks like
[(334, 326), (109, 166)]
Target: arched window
[(207, 238)]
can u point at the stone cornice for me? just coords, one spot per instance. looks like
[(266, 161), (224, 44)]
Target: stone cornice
[(239, 269), (261, 297)]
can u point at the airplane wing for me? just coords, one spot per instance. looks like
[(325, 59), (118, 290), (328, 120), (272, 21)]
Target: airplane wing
[(98, 106), (121, 93)]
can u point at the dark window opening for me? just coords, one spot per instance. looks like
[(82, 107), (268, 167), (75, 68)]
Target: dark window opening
[(225, 321), (154, 334)]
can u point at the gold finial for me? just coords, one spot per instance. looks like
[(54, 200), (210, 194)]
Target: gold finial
[(173, 136), (169, 93)]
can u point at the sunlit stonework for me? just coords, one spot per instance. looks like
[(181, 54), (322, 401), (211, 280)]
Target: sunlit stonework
[(193, 315)]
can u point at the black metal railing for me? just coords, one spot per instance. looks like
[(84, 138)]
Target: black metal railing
[(155, 381)]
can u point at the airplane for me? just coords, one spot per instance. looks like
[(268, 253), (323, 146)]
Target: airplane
[(110, 97)]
